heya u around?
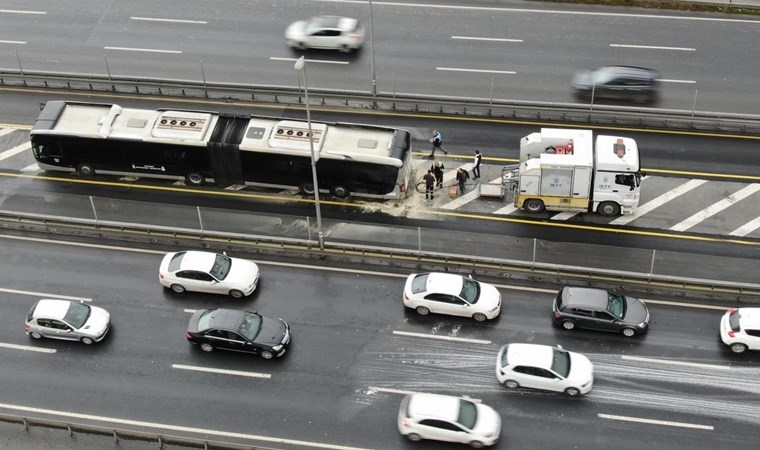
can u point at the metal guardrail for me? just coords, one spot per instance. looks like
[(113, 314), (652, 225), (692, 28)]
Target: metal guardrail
[(481, 107)]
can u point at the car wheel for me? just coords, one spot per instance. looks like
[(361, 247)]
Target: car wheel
[(476, 444), (195, 179), (178, 288), (568, 325), (480, 317), (86, 170), (87, 341), (423, 311), (534, 205), (206, 347), (736, 348), (345, 48), (36, 335), (628, 332), (307, 188), (300, 46), (608, 209), (266, 354), (511, 384), (413, 437), (572, 392), (236, 294)]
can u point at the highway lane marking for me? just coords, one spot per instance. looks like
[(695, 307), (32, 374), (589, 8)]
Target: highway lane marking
[(674, 363), (28, 348), (654, 47), (152, 19), (222, 371), (666, 80), (146, 50), (42, 294), (659, 201), (373, 389), (656, 422), (16, 11), (458, 69), (441, 337), (14, 151), (12, 42), (163, 426), (716, 207), (472, 38), (747, 228), (686, 305), (318, 61), (190, 311)]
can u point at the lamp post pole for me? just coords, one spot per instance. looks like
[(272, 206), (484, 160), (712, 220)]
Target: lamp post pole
[(301, 67), (372, 50)]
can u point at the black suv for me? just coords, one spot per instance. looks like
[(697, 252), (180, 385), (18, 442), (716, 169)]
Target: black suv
[(618, 83), (600, 309)]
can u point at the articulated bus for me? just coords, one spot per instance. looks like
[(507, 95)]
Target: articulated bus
[(202, 147)]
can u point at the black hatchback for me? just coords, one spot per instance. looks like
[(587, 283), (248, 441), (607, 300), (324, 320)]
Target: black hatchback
[(240, 331), (636, 84), (599, 309)]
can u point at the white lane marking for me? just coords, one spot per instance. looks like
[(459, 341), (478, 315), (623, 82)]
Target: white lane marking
[(15, 150), (674, 363), (442, 338), (563, 215), (717, 207), (80, 244), (14, 11), (656, 422), (747, 228), (31, 168), (147, 50), (686, 305), (318, 61), (509, 209), (27, 348), (457, 69), (152, 19), (659, 201), (190, 311), (163, 426), (472, 38), (222, 371), (666, 80), (6, 131), (42, 294), (373, 389), (654, 47), (12, 42)]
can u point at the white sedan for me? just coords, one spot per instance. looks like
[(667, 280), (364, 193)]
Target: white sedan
[(213, 273), (327, 32), (544, 367), (448, 419), (455, 295)]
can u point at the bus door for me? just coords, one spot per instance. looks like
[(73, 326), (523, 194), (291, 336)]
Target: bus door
[(224, 150)]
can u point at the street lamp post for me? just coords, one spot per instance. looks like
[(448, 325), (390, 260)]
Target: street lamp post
[(372, 51), (301, 67)]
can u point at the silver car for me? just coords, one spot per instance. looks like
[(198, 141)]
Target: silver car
[(327, 32), (66, 320)]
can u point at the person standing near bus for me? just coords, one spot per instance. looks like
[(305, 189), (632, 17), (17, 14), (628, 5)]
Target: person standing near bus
[(437, 169), (476, 165), (437, 140), (429, 185), (462, 177)]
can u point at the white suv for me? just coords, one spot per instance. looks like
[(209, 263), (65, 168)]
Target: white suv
[(740, 329)]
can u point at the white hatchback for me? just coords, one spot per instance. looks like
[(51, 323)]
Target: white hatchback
[(327, 32), (740, 329), (448, 419), (213, 273), (455, 295), (544, 367), (67, 320)]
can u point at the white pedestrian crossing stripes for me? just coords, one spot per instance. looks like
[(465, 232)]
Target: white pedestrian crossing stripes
[(659, 201), (716, 207), (15, 150)]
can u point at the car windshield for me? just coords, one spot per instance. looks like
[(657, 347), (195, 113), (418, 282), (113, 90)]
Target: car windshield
[(602, 76), (77, 314), (221, 267), (470, 290), (251, 326), (616, 305), (319, 23), (468, 414), (561, 362)]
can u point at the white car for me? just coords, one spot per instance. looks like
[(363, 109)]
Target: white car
[(740, 329), (327, 32), (455, 295), (66, 320), (448, 419), (544, 367), (213, 273)]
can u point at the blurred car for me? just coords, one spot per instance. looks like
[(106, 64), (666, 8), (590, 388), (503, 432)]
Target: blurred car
[(448, 419), (326, 32), (240, 331), (214, 273), (455, 295), (740, 329), (599, 309), (618, 83), (67, 320), (544, 367)]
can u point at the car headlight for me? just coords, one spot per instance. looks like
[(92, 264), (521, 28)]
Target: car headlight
[(642, 324), (277, 348)]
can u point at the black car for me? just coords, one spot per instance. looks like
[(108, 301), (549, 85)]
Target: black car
[(240, 331), (636, 84), (599, 309)]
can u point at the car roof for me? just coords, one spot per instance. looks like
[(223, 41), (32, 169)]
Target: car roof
[(51, 309), (749, 318), (630, 71), (533, 355), (226, 319), (335, 22), (195, 260), (444, 283), (432, 405), (578, 296)]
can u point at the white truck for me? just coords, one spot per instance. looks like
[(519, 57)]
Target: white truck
[(564, 170)]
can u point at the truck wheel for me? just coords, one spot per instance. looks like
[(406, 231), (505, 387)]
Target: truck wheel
[(195, 179), (307, 188), (608, 209), (533, 205), (340, 191), (86, 170)]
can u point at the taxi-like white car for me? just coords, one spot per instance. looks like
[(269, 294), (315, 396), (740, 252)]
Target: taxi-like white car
[(213, 273), (452, 294)]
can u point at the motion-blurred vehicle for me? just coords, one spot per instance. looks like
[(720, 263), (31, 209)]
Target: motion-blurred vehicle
[(448, 419), (209, 272), (636, 84), (544, 367), (239, 331), (455, 295), (599, 309), (67, 320), (326, 32), (740, 329)]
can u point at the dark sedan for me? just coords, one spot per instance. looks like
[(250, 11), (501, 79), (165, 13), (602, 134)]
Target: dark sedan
[(599, 309), (628, 83), (240, 331)]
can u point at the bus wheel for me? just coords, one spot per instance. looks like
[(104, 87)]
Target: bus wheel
[(534, 205), (195, 179), (608, 209), (340, 191), (307, 188), (86, 170)]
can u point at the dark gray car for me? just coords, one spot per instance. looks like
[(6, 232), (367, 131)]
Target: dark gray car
[(599, 309), (626, 83)]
